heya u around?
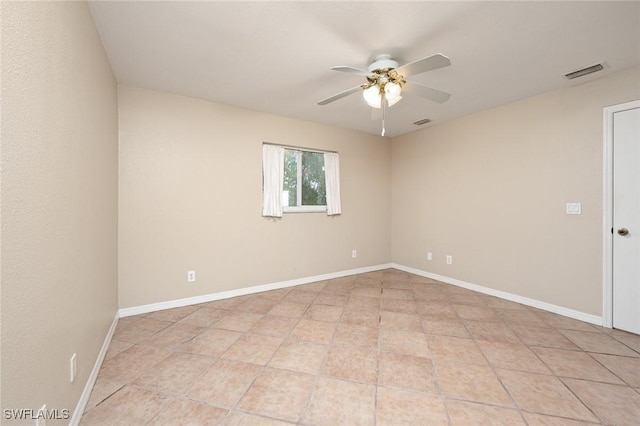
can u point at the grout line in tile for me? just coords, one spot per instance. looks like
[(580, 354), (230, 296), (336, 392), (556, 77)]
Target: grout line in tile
[(580, 399), (571, 419), (609, 370)]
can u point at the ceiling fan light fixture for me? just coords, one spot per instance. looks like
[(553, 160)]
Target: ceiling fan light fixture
[(392, 92), (372, 96)]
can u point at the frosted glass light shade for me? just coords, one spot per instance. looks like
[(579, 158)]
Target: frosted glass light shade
[(392, 91), (372, 96), (394, 101)]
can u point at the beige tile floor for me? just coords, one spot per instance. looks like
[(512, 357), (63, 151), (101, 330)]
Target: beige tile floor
[(382, 348)]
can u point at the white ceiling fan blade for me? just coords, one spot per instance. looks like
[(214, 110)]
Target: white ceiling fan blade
[(429, 63), (340, 95), (352, 70), (425, 92)]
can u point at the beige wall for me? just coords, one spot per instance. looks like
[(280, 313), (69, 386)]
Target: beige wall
[(59, 195), (490, 189), (190, 197)]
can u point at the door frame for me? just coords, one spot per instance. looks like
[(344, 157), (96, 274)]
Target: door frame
[(607, 222)]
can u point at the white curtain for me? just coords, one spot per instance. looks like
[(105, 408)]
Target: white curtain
[(332, 180), (273, 180)]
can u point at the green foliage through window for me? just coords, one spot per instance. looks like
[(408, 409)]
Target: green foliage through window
[(304, 183)]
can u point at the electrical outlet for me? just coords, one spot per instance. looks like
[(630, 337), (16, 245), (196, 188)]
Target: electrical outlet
[(41, 417), (191, 276), (72, 368), (449, 260), (354, 253), (429, 255)]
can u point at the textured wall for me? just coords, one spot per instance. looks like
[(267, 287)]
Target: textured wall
[(490, 189), (190, 197), (59, 202)]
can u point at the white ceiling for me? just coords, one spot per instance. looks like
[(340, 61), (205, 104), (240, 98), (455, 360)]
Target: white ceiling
[(276, 57)]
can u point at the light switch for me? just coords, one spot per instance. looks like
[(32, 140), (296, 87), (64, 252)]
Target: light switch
[(574, 208)]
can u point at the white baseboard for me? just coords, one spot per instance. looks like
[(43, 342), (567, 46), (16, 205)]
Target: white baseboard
[(88, 387), (592, 319), (143, 309), (177, 303)]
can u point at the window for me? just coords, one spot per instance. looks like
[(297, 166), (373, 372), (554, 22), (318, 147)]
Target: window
[(298, 180), (304, 188)]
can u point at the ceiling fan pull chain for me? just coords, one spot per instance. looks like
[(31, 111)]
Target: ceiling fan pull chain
[(384, 110)]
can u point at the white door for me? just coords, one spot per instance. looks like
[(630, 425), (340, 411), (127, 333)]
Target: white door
[(626, 220)]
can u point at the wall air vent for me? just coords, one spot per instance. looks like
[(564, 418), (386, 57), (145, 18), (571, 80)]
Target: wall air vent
[(421, 122), (584, 71)]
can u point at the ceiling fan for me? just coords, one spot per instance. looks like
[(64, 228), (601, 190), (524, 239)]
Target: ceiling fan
[(386, 81)]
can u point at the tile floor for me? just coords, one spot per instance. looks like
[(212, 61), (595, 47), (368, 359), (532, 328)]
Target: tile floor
[(382, 348)]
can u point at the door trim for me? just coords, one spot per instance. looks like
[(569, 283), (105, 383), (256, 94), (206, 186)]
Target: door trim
[(607, 221)]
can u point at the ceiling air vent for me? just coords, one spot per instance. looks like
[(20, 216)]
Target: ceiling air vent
[(421, 122), (584, 71)]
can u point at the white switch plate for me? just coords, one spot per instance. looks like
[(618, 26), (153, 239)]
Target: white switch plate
[(354, 253), (574, 208), (449, 260), (429, 255), (191, 276)]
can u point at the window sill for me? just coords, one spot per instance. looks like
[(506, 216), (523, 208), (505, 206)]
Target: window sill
[(305, 209)]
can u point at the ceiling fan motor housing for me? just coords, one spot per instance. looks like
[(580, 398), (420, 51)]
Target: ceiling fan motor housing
[(383, 62)]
